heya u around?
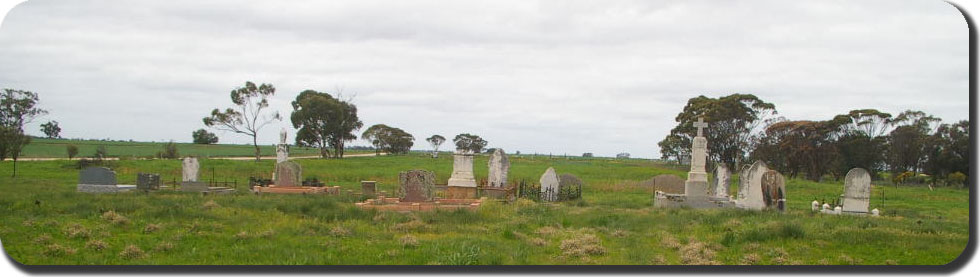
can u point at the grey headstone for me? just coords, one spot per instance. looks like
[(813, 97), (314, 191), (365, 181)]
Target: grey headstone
[(190, 169), (668, 183), (774, 190), (369, 188), (147, 181), (416, 185), (499, 165), (857, 191), (289, 174), (97, 176), (722, 177), (550, 185)]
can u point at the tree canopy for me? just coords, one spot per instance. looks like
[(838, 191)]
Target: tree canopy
[(202, 136), (324, 122), (247, 118), (469, 143), (435, 141), (732, 123), (389, 139), (17, 108)]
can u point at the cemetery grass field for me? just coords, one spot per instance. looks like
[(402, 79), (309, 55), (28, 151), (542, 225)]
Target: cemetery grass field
[(44, 221), (56, 148)]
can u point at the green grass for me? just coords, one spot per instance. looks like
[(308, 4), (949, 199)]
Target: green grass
[(615, 223), (57, 148)]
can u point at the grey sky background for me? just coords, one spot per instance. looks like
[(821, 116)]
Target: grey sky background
[(531, 76)]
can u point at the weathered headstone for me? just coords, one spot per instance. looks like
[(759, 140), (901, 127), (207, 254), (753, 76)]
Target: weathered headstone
[(369, 188), (550, 185), (191, 169), (857, 191), (462, 171), (416, 185), (97, 176), (282, 149), (147, 181), (499, 165), (774, 190), (722, 177), (289, 174), (668, 183), (750, 188)]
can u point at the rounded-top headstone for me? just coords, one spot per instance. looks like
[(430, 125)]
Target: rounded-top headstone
[(857, 191)]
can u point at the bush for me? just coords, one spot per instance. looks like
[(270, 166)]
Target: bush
[(169, 151), (956, 178), (72, 151), (202, 136)]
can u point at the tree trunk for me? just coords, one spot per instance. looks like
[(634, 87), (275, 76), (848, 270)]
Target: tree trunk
[(255, 142)]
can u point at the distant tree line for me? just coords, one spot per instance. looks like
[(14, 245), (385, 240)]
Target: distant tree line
[(744, 128)]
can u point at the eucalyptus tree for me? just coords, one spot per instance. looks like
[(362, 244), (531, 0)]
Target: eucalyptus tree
[(247, 116)]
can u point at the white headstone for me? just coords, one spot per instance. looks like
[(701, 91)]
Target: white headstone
[(875, 212), (499, 165), (282, 150), (750, 191), (722, 177), (857, 191), (190, 169), (549, 185), (462, 171), (696, 185)]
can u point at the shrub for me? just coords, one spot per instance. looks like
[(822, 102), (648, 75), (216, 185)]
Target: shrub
[(72, 151), (956, 178), (585, 245), (77, 231), (114, 218), (409, 241), (132, 252), (169, 151), (96, 245), (58, 250), (202, 136), (150, 228)]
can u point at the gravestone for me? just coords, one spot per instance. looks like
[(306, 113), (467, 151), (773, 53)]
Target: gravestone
[(97, 176), (416, 185), (668, 183), (191, 169), (774, 190), (462, 171), (147, 181), (369, 188), (499, 165), (722, 177), (857, 191), (289, 174), (282, 149), (696, 185), (550, 185), (750, 188)]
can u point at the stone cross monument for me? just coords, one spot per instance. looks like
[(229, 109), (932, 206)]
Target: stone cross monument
[(697, 178)]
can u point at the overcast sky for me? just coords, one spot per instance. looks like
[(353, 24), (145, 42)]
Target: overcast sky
[(531, 76)]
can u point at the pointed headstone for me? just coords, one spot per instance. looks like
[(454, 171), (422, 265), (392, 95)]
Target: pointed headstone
[(499, 165), (550, 185)]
